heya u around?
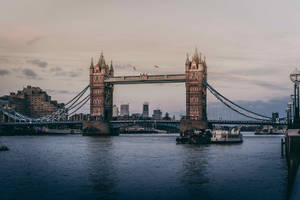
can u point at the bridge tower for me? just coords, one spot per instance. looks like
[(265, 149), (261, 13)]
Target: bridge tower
[(101, 100), (196, 73)]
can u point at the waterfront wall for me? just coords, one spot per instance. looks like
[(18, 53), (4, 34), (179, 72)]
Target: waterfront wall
[(97, 128)]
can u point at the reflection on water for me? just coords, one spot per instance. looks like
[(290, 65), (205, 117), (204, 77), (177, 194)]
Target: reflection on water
[(101, 170), (140, 167)]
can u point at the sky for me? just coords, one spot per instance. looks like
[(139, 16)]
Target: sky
[(251, 47)]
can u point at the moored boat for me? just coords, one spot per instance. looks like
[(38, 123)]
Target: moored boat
[(270, 130), (227, 136), (195, 137)]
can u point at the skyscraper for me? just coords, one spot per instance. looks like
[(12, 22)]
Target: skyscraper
[(124, 110), (145, 110), (115, 112), (157, 114)]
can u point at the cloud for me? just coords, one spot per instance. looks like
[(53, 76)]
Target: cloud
[(4, 72), (72, 74), (269, 85), (239, 58), (29, 73), (244, 79), (255, 71), (38, 63), (66, 74), (59, 91), (33, 41), (125, 66), (56, 69)]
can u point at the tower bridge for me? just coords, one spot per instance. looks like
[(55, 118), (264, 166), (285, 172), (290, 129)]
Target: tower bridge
[(101, 87), (102, 81)]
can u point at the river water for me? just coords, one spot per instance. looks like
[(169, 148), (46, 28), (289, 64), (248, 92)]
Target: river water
[(140, 167)]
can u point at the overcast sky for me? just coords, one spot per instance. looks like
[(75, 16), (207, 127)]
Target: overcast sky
[(251, 46)]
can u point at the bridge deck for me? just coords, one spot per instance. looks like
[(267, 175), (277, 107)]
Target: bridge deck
[(144, 78)]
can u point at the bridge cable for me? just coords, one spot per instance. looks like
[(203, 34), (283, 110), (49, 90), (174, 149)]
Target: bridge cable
[(216, 93), (80, 105), (221, 100), (209, 86), (221, 97)]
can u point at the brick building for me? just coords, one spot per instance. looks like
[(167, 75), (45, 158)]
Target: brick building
[(32, 102)]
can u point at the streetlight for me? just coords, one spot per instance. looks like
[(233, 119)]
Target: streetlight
[(295, 78), (290, 108), (289, 114), (292, 104), (288, 111)]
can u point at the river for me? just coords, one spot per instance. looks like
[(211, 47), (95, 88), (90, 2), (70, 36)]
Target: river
[(140, 167)]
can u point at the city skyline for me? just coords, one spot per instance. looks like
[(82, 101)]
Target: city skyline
[(250, 61)]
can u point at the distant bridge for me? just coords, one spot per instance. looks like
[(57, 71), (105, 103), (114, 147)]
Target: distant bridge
[(120, 123)]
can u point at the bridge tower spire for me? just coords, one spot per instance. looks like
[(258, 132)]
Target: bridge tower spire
[(187, 62), (91, 66), (92, 63), (111, 69)]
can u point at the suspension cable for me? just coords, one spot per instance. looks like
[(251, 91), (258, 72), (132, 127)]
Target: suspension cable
[(80, 106), (212, 89), (221, 100), (53, 114), (78, 94), (79, 102)]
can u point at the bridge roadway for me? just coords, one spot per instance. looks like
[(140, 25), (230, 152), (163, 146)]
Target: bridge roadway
[(175, 122), (144, 78)]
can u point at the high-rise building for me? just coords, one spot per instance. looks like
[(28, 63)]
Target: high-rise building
[(157, 114), (115, 112), (166, 117), (124, 110), (145, 110), (275, 116)]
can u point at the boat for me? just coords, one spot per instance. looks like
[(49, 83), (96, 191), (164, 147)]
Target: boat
[(195, 137), (270, 130), (227, 135), (4, 148)]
